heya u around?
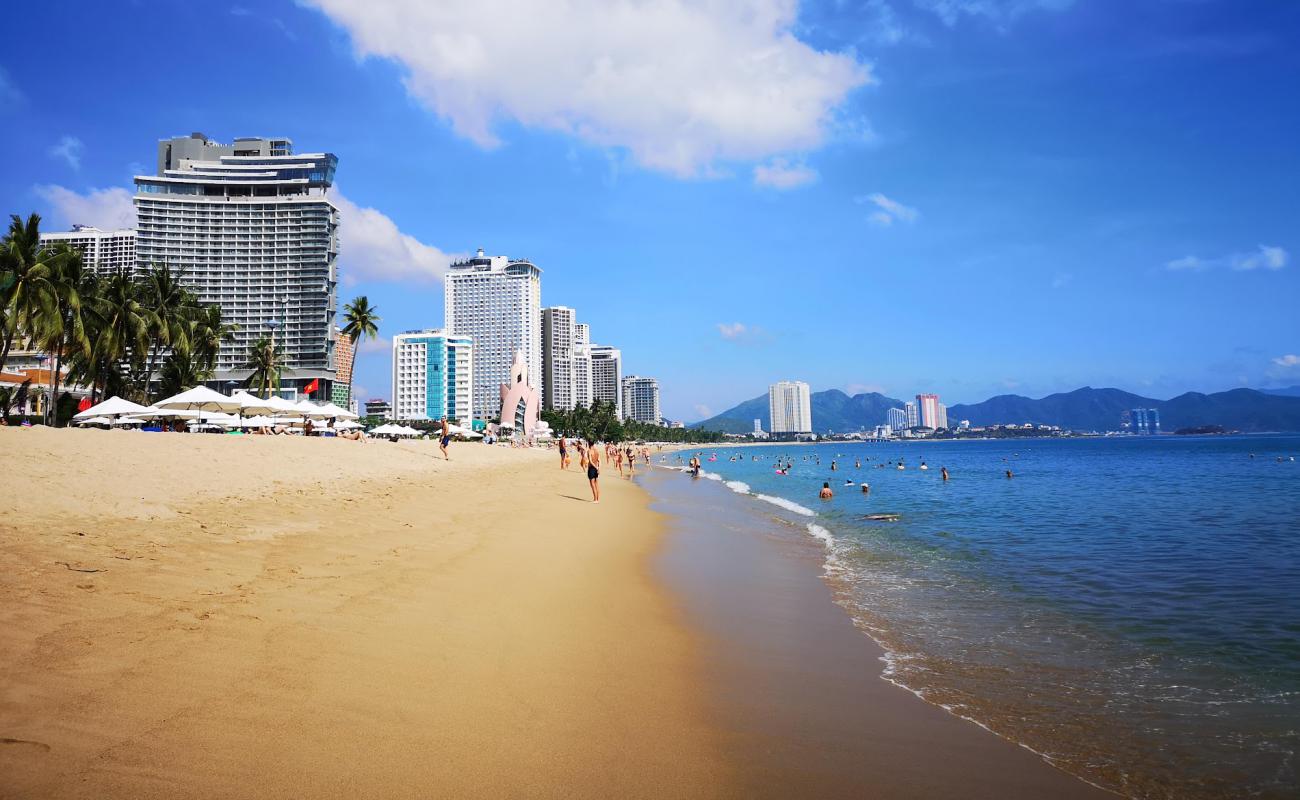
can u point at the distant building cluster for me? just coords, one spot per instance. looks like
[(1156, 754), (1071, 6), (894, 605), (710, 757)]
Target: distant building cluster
[(1141, 421), (501, 354)]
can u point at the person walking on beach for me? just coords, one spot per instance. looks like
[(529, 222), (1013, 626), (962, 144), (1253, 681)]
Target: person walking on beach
[(564, 453), (444, 439), (593, 470)]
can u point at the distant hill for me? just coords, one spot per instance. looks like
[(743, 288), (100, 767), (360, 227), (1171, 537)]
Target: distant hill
[(1290, 391), (831, 410), (1081, 409)]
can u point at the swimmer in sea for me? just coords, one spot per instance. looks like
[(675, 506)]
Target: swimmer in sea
[(866, 488), (1009, 475), (944, 472), (826, 493)]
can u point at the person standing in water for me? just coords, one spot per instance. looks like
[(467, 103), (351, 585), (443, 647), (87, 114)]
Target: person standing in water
[(943, 471), (444, 439), (593, 470), (826, 493)]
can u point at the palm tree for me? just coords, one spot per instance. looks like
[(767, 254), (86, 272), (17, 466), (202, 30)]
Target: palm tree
[(64, 332), (360, 320), (207, 334), (170, 307), (123, 328), (264, 361), (26, 288)]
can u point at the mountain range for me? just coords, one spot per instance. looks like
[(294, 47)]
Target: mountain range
[(1085, 409)]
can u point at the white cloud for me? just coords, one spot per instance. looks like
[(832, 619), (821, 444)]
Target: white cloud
[(733, 331), (10, 96), (371, 247), (781, 174), (888, 211), (109, 209), (703, 411), (681, 85), (69, 149), (1266, 257), (1288, 360), (1188, 263), (998, 11), (375, 344)]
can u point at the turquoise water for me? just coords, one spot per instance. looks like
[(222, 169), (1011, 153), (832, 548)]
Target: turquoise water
[(1128, 607)]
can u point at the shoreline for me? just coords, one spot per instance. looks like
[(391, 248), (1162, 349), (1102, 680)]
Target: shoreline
[(784, 635)]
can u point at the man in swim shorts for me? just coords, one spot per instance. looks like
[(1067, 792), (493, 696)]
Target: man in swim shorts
[(444, 439), (593, 470)]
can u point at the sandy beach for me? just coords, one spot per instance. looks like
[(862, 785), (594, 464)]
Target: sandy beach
[(217, 616)]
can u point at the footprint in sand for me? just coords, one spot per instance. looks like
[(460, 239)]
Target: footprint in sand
[(38, 745)]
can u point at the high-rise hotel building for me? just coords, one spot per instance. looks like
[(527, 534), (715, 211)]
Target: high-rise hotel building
[(607, 377), (433, 376), (102, 252), (251, 230), (641, 399), (933, 414), (497, 302), (790, 405), (566, 359)]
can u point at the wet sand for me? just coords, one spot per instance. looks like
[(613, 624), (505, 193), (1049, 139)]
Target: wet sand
[(798, 690)]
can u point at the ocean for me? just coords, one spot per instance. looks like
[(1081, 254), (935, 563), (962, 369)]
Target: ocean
[(1129, 608)]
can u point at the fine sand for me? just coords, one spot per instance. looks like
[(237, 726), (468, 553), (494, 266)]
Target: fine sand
[(221, 616)]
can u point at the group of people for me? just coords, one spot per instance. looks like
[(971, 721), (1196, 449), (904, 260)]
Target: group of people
[(589, 458)]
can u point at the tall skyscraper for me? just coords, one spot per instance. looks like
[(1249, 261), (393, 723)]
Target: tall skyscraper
[(928, 406), (497, 302), (641, 399), (897, 418), (250, 228), (102, 252), (582, 386), (559, 358), (1146, 421), (913, 418), (790, 406), (433, 376), (342, 393), (607, 376)]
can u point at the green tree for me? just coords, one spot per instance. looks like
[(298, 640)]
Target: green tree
[(63, 331), (171, 310), (360, 321), (264, 361), (26, 280)]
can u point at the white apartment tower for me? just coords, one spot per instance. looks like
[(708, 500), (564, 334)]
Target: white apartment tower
[(641, 399), (933, 414), (607, 376), (497, 302), (897, 418), (102, 252), (582, 388), (433, 377), (250, 229), (790, 405), (559, 358), (913, 419)]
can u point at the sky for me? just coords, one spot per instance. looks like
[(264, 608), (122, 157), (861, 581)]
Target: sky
[(968, 197)]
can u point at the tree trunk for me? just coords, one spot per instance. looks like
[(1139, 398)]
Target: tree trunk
[(58, 367), (9, 340)]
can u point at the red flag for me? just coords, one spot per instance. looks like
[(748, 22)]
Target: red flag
[(84, 404), (313, 386)]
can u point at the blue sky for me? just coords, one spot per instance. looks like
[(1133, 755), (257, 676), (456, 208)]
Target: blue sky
[(971, 197)]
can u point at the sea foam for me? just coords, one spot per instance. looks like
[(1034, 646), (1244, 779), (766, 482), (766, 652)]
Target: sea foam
[(788, 505), (739, 487), (821, 533)]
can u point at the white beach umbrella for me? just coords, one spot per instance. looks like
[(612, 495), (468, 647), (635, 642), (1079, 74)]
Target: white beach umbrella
[(128, 421), (346, 425), (95, 421), (279, 405), (252, 404), (200, 398), (308, 409), (335, 412), (112, 407), (387, 429)]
